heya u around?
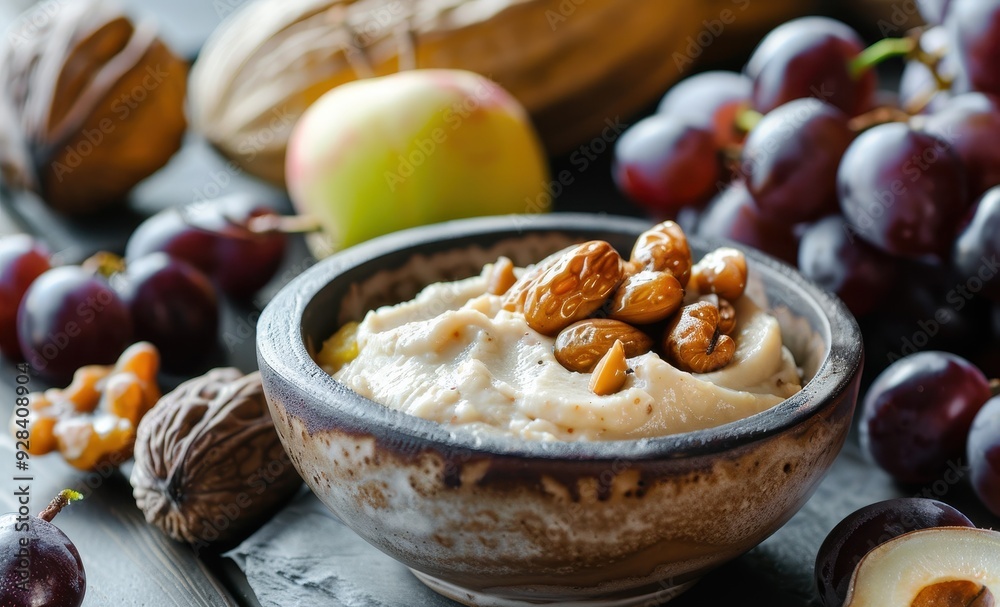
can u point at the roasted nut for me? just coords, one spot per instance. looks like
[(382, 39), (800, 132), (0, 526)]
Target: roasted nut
[(723, 271), (501, 277), (513, 300), (664, 248), (573, 287), (580, 346), (647, 297), (693, 341), (205, 446), (97, 103), (611, 372), (727, 313)]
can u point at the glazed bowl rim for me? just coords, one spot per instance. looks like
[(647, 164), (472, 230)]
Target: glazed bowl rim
[(282, 350)]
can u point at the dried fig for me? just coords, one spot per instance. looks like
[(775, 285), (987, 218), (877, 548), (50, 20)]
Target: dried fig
[(97, 104), (209, 468)]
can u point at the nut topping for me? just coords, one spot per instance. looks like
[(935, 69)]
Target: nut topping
[(727, 313), (501, 277), (664, 248), (610, 373), (573, 287), (581, 346), (514, 297), (694, 342), (647, 297), (723, 271)]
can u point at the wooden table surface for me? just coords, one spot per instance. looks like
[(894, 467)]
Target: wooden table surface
[(129, 563)]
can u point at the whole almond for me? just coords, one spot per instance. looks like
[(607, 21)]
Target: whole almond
[(513, 300), (647, 297), (580, 346), (573, 287), (664, 248)]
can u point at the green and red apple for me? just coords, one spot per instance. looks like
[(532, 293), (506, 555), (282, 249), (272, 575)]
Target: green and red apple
[(418, 147)]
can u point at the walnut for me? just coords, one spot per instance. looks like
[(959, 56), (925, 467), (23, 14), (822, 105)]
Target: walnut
[(694, 342), (209, 468), (94, 105)]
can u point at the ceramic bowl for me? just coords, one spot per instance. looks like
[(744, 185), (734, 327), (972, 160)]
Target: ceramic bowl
[(498, 521)]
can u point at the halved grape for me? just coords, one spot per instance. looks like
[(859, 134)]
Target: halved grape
[(872, 526)]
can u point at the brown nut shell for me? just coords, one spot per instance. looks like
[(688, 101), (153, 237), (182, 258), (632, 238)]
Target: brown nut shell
[(208, 452), (98, 103), (722, 271), (580, 346), (647, 297), (572, 287), (694, 343), (664, 248)]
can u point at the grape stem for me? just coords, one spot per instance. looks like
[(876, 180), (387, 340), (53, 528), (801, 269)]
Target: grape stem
[(877, 116), (65, 498), (885, 48), (747, 118), (291, 224), (995, 387)]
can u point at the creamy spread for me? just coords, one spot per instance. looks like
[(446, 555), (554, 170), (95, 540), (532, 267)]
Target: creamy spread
[(454, 356)]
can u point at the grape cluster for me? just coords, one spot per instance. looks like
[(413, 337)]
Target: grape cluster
[(800, 156), (164, 291)]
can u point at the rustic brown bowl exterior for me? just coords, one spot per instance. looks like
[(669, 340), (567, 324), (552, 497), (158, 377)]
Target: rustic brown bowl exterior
[(491, 520)]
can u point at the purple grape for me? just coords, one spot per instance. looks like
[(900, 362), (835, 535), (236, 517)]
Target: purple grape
[(810, 57), (174, 306), (733, 214), (710, 101), (70, 318), (974, 28), (22, 260), (984, 454), (664, 164), (859, 274), (976, 256), (791, 157), (970, 124), (917, 414), (869, 527), (902, 190), (213, 237)]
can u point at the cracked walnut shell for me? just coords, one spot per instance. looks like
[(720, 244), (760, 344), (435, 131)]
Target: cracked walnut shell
[(92, 104), (209, 467)]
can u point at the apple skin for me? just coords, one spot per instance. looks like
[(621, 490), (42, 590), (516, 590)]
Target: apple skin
[(423, 146)]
